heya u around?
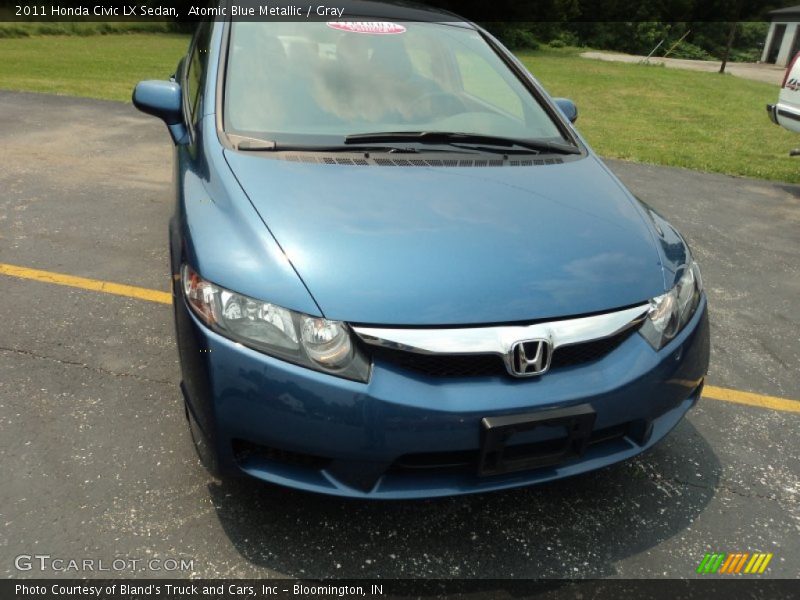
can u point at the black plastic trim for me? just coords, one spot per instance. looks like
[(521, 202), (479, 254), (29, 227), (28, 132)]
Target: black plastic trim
[(496, 458)]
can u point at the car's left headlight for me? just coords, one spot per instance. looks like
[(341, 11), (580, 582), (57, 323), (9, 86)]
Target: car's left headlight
[(670, 312), (311, 342)]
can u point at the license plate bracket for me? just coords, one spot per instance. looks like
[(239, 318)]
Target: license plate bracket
[(496, 433)]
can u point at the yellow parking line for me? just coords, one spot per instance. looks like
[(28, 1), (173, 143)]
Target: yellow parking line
[(97, 285), (751, 399)]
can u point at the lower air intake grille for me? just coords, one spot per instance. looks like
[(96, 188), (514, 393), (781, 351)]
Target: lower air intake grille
[(245, 451), (467, 460)]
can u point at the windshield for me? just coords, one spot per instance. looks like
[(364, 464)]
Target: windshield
[(316, 83)]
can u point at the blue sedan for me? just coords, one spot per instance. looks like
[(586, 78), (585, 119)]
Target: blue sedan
[(400, 272)]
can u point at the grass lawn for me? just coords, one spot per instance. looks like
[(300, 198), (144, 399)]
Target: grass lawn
[(98, 66), (642, 113), (652, 114)]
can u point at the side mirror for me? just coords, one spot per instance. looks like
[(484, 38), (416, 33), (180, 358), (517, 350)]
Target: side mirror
[(162, 99), (567, 108)]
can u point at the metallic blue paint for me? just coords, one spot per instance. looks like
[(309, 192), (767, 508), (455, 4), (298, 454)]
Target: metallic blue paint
[(567, 108), (223, 237), (436, 246), (274, 404), (162, 99), (415, 246)]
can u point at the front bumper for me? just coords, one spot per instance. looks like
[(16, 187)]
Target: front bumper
[(772, 111), (406, 435)]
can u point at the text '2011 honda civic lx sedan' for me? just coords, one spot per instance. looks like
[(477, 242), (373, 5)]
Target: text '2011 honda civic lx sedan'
[(399, 271)]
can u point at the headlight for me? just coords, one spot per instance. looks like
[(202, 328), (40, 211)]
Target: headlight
[(671, 312), (311, 342)]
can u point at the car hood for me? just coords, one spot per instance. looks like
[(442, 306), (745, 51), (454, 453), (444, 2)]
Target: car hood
[(456, 245)]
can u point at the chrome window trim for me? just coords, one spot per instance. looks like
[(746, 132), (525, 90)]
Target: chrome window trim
[(500, 340)]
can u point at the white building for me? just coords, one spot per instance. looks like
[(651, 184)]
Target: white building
[(783, 41)]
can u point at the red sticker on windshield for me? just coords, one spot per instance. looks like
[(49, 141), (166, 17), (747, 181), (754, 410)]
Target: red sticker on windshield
[(372, 27)]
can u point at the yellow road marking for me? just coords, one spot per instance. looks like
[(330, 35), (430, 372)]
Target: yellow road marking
[(97, 285), (751, 399)]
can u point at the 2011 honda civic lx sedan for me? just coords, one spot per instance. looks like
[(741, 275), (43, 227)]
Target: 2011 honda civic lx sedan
[(399, 271)]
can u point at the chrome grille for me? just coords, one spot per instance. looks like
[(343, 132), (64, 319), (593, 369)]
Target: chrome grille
[(491, 365), (491, 350)]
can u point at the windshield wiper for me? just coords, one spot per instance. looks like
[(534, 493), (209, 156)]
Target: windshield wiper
[(455, 138), (256, 145)]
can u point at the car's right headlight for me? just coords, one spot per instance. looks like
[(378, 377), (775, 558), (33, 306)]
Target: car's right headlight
[(670, 312), (312, 342)]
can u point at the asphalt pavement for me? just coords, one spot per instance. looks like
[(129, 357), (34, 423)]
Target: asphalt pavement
[(96, 460)]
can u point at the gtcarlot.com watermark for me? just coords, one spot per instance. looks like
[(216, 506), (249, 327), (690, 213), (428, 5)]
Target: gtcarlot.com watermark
[(42, 563)]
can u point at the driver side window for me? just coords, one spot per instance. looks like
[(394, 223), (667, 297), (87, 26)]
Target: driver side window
[(196, 70)]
